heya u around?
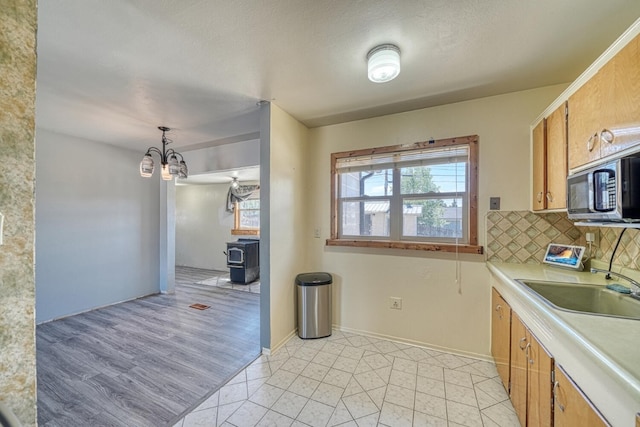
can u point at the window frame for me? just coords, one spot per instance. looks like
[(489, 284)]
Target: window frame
[(406, 242), (237, 230)]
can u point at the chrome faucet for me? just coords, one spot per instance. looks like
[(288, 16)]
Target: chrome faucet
[(609, 273)]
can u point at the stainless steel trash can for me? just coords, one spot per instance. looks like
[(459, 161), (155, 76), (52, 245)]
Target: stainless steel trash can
[(314, 304)]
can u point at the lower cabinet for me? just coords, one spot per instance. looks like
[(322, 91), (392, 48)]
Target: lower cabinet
[(531, 377), (541, 371), (501, 335), (541, 393), (572, 408), (519, 348)]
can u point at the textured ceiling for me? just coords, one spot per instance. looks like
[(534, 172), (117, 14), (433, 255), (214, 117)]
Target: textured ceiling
[(112, 71)]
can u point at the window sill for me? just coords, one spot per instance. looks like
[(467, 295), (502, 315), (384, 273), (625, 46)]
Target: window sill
[(418, 246), (244, 232)]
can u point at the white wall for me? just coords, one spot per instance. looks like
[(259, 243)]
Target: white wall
[(223, 157), (288, 213), (203, 226), (436, 310), (97, 225)]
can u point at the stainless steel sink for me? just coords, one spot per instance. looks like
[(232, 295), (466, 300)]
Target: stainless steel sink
[(584, 298)]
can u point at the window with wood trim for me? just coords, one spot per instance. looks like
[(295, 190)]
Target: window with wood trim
[(246, 218), (418, 196)]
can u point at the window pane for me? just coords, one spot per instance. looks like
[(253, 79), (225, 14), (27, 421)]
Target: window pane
[(250, 204), (441, 178), (365, 218), (249, 213), (370, 183), (432, 218), (250, 219)]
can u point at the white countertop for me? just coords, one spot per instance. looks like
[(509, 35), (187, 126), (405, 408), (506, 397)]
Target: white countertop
[(601, 354)]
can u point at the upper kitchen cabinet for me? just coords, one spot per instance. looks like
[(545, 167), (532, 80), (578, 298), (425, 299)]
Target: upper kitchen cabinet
[(624, 101), (549, 139), (604, 113), (556, 169), (584, 122), (539, 166)]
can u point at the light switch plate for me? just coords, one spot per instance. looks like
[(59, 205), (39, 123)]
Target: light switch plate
[(494, 203)]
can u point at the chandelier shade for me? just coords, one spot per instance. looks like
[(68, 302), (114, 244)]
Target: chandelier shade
[(171, 166), (146, 166)]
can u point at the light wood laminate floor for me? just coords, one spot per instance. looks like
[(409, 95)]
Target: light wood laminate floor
[(144, 362)]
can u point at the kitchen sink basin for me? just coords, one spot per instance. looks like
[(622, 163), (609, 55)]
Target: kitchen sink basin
[(585, 298)]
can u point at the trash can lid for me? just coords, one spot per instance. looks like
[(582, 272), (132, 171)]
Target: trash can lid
[(313, 279)]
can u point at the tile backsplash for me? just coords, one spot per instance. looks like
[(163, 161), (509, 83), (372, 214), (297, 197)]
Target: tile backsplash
[(628, 253), (523, 237)]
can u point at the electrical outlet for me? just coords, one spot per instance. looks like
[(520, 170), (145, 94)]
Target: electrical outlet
[(316, 232), (592, 237), (395, 303)]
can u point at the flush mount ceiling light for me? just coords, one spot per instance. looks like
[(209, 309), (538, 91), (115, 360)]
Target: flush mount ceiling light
[(171, 167), (383, 63)]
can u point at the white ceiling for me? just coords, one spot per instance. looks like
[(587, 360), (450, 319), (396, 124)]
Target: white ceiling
[(114, 70)]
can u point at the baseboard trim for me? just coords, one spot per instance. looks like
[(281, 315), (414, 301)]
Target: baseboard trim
[(483, 357), (282, 342), (97, 308)]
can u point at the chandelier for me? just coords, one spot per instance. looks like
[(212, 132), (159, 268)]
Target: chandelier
[(171, 167)]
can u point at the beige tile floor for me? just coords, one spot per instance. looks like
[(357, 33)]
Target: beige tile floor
[(353, 380)]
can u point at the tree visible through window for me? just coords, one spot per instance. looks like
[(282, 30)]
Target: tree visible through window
[(422, 196)]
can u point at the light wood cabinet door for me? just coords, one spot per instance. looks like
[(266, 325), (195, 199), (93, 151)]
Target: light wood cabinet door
[(539, 167), (501, 335), (621, 110), (584, 123), (556, 159), (539, 385), (571, 407), (604, 114), (531, 386), (519, 362)]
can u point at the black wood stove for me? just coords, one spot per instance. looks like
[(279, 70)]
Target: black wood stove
[(243, 260)]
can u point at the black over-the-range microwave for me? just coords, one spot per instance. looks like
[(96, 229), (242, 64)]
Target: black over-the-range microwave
[(609, 191)]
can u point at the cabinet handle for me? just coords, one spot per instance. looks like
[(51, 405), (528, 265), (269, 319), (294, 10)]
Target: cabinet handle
[(560, 406), (549, 197), (527, 352), (499, 310), (521, 344), (607, 136), (592, 142), (540, 197)]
